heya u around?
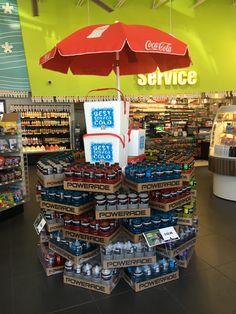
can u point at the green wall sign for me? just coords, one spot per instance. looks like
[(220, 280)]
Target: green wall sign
[(209, 30)]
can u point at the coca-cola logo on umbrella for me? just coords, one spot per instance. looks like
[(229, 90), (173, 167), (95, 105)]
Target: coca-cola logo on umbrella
[(161, 46)]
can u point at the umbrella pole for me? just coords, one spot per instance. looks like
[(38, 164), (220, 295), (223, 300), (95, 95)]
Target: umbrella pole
[(118, 74)]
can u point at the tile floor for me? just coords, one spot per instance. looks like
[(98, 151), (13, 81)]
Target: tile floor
[(208, 286)]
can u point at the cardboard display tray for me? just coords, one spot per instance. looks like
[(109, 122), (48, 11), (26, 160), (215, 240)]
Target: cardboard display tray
[(68, 209), (90, 237), (186, 176), (131, 236), (122, 213), (127, 262), (91, 285), (92, 187), (38, 198), (49, 270), (150, 186), (165, 207), (43, 237), (50, 181), (50, 227), (152, 282), (185, 221), (177, 250), (185, 263), (75, 259), (194, 193)]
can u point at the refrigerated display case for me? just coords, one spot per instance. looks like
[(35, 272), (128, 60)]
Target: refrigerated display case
[(222, 159)]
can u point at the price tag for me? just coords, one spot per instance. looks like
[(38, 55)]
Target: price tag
[(39, 223), (169, 234)]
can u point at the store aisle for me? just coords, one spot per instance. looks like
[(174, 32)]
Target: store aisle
[(208, 286)]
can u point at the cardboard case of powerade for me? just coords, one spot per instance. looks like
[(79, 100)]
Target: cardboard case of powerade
[(102, 147), (107, 116)]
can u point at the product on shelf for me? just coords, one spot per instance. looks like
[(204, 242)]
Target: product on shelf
[(157, 220), (45, 128), (96, 173), (9, 161), (147, 276), (91, 275), (65, 197), (10, 175), (86, 223), (10, 197), (170, 195), (52, 263), (152, 171), (9, 144), (125, 249)]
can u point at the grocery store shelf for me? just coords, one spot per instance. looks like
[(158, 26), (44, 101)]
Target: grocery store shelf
[(46, 126), (10, 167), (44, 134), (10, 182), (9, 151), (11, 206), (45, 151)]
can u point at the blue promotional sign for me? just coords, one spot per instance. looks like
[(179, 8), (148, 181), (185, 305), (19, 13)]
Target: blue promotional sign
[(102, 118), (141, 142), (101, 152)]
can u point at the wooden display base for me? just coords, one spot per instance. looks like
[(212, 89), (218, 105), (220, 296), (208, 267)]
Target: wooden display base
[(92, 187), (90, 237), (152, 282), (75, 259), (177, 250), (50, 181), (127, 262), (186, 176), (68, 209), (185, 263), (122, 213), (133, 237), (91, 285), (49, 270), (165, 207), (150, 186)]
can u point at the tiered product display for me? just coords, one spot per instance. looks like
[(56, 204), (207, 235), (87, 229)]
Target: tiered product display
[(13, 170), (45, 128), (102, 219)]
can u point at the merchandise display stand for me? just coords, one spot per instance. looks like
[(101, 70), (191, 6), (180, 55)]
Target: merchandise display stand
[(102, 211), (71, 227), (13, 166)]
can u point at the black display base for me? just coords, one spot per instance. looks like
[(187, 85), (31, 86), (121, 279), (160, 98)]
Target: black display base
[(8, 213)]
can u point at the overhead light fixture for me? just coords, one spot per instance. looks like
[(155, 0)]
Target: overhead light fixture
[(197, 3), (119, 3), (35, 7), (103, 5), (157, 3), (80, 3)]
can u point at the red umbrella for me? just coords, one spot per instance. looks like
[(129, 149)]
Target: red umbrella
[(125, 49)]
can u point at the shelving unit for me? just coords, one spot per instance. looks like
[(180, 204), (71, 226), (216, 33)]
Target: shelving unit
[(178, 124), (45, 128), (13, 166)]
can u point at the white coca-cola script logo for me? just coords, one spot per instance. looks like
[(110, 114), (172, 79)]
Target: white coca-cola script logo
[(162, 46)]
